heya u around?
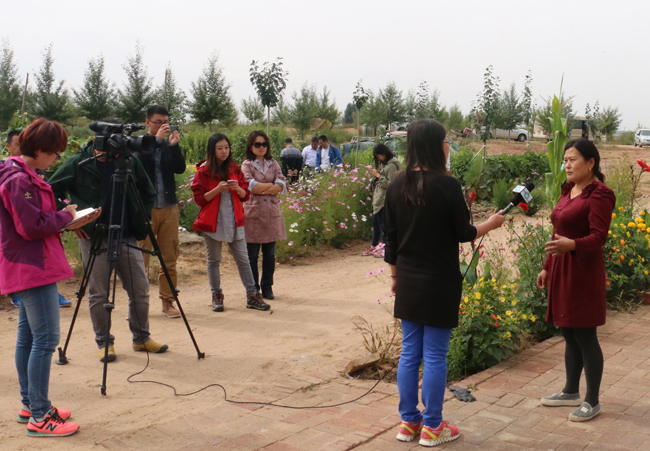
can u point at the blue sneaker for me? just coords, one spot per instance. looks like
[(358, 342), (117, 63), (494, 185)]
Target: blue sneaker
[(63, 302), (15, 300)]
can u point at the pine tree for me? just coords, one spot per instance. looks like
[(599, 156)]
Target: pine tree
[(51, 100), (138, 93), (96, 99), (348, 114), (210, 93), (391, 98), (9, 85), (171, 97), (327, 110)]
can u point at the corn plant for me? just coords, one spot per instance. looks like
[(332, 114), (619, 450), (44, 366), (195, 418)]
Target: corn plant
[(557, 176)]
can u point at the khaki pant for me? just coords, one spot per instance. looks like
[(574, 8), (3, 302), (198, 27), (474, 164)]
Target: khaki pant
[(164, 222)]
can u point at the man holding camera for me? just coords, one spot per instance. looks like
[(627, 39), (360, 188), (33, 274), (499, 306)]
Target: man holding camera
[(90, 185), (161, 166)]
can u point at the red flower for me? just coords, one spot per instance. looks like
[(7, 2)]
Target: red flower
[(524, 206), (472, 196), (496, 324), (644, 167), (494, 316)]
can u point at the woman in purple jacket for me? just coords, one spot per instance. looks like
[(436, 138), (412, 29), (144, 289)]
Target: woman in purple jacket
[(32, 260)]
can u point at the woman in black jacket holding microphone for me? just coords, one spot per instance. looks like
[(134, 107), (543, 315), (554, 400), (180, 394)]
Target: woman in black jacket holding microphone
[(426, 219)]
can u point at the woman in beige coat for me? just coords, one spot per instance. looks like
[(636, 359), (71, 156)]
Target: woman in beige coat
[(264, 224)]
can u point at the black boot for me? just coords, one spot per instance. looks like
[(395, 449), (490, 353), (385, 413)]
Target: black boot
[(267, 292), (217, 302)]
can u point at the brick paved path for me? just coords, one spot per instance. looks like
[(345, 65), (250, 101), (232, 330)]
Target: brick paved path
[(506, 416)]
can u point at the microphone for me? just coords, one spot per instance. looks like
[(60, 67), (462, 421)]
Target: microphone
[(522, 194)]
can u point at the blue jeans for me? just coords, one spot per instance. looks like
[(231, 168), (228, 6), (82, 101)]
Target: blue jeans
[(432, 344), (38, 336)]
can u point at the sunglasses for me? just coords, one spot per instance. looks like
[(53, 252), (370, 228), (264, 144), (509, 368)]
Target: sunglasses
[(258, 145)]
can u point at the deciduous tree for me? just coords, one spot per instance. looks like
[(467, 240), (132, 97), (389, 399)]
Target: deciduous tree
[(270, 81), (252, 109)]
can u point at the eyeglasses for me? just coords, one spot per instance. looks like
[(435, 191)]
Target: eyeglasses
[(159, 123), (445, 142), (58, 156), (258, 145)]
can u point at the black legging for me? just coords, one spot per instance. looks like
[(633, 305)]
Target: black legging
[(583, 351)]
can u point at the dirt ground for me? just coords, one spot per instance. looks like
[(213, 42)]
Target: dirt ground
[(251, 353)]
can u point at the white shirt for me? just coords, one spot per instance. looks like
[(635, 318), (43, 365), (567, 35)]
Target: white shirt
[(309, 156), (325, 159)]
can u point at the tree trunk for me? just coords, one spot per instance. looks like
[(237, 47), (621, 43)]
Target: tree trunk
[(268, 119)]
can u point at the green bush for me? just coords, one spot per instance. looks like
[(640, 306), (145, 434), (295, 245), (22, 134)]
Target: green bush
[(186, 205), (501, 194)]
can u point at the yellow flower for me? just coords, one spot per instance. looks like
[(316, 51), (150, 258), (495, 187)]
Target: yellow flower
[(508, 334), (532, 318), (503, 299), (614, 236), (637, 219), (514, 302), (524, 316), (477, 303), (505, 286), (645, 272), (478, 295), (466, 299), (631, 224), (509, 312), (481, 279), (620, 208), (512, 286), (642, 213), (499, 318), (613, 215)]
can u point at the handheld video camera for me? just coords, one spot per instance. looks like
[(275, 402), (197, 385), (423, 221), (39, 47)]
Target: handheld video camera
[(116, 138)]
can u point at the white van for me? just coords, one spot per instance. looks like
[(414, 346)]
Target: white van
[(642, 137)]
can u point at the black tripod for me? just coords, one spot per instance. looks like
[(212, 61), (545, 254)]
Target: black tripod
[(122, 182)]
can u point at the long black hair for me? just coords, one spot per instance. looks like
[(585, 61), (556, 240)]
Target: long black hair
[(588, 151), (424, 150), (382, 149), (218, 170)]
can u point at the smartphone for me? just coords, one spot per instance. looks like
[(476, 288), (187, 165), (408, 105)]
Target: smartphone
[(173, 128)]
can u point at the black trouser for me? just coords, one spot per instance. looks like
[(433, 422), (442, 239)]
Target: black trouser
[(377, 227), (583, 351), (268, 262)]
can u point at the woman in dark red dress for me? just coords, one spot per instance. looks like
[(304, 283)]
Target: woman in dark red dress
[(574, 273)]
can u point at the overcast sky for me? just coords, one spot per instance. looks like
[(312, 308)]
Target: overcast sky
[(600, 46)]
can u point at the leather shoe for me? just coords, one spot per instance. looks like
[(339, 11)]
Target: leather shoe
[(267, 292)]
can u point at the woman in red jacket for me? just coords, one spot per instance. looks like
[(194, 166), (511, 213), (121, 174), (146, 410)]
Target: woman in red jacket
[(574, 273), (219, 189)]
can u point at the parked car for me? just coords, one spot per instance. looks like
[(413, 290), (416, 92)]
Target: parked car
[(642, 137), (518, 134)]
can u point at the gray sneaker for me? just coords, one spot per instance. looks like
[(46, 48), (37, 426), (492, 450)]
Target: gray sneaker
[(562, 399), (585, 412)]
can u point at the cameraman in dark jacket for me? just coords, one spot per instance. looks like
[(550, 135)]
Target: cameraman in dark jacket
[(90, 186), (161, 166)]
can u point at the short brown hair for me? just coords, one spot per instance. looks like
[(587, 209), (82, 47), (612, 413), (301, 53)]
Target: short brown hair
[(251, 140), (44, 135)]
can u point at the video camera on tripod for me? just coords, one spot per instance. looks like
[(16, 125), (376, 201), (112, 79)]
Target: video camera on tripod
[(116, 139)]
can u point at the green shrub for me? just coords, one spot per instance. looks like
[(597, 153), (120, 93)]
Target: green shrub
[(501, 194), (186, 205), (539, 201), (619, 176)]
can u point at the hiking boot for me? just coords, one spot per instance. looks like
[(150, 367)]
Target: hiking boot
[(217, 302), (169, 309), (111, 354), (408, 431), (63, 302), (150, 346), (267, 292), (52, 426), (25, 413), (585, 412), (254, 300), (443, 433), (562, 399)]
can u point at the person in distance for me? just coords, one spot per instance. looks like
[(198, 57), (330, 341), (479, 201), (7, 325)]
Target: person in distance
[(386, 166), (291, 159), (574, 273), (264, 223), (219, 188), (426, 218), (91, 186), (32, 260)]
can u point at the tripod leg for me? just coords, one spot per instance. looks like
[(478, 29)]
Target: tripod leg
[(156, 252), (95, 250), (109, 306)]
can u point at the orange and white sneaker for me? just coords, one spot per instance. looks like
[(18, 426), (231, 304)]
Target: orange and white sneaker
[(25, 413), (52, 426), (443, 433), (408, 431)]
